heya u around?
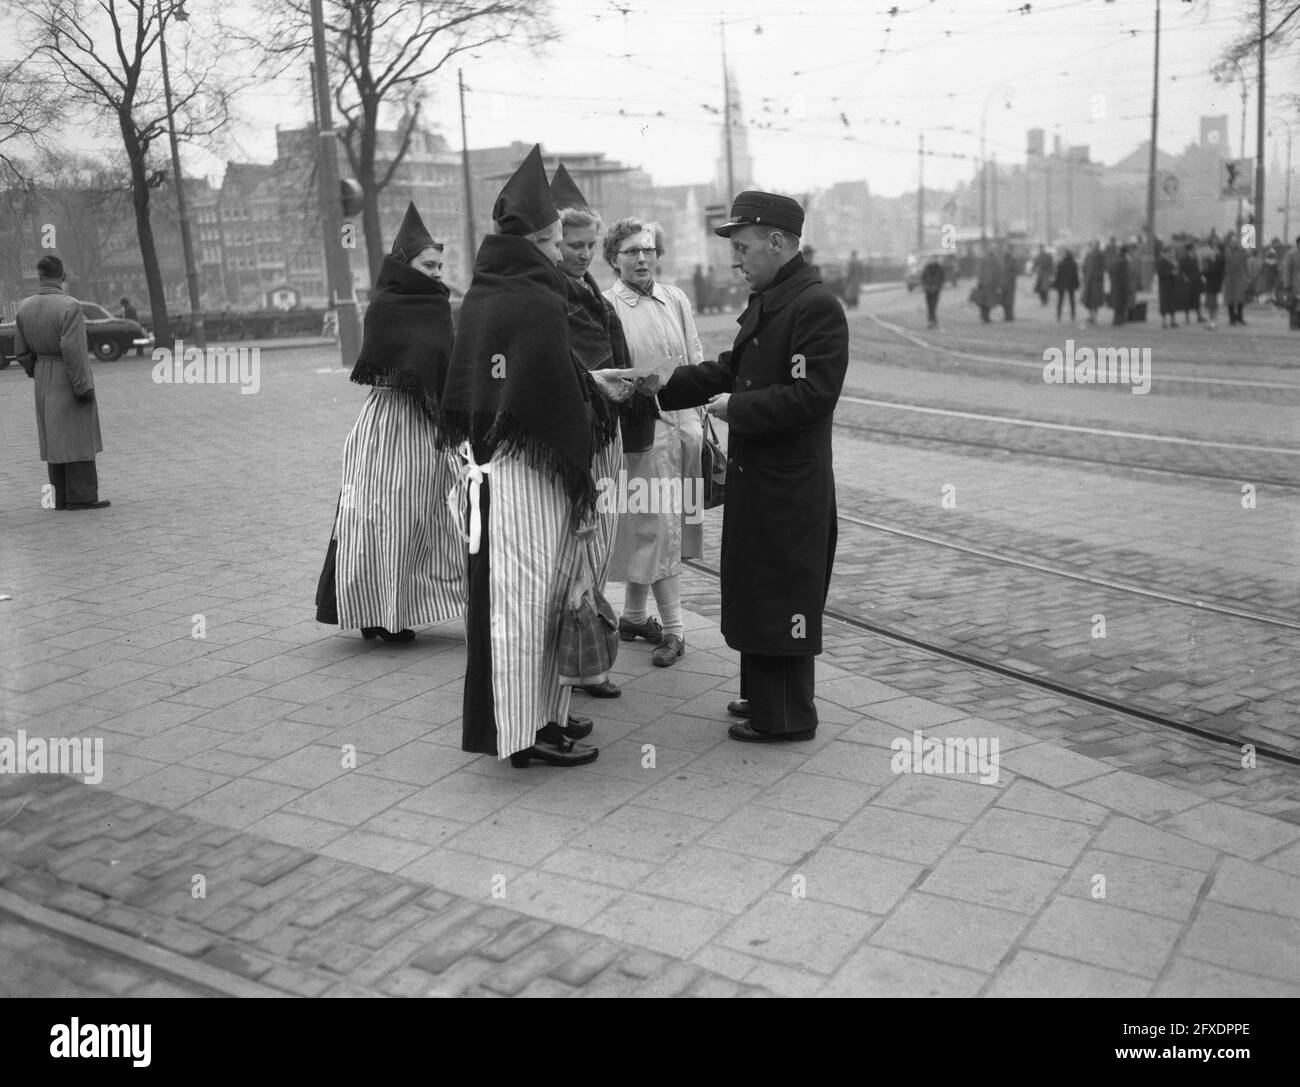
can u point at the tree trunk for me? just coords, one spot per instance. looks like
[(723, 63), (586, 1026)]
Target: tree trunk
[(162, 329), (370, 190)]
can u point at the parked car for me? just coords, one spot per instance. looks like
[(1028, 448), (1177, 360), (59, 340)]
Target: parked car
[(106, 336)]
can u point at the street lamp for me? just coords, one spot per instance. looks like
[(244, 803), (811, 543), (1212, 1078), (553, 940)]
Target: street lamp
[(178, 12)]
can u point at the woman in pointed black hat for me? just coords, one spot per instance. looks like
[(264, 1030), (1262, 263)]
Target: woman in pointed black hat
[(400, 562), (525, 416), (598, 342)]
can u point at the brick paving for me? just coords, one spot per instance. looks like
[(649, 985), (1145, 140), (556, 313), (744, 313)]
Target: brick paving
[(1106, 858)]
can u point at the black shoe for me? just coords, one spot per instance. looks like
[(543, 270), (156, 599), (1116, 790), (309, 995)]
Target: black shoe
[(101, 504), (672, 647), (555, 749), (577, 728), (387, 635), (739, 708), (741, 731), (649, 629), (602, 690)]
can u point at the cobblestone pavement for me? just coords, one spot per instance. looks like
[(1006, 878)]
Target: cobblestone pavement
[(38, 962), (314, 781)]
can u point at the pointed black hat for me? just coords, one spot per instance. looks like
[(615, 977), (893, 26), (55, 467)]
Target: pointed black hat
[(525, 205), (412, 236), (565, 192)]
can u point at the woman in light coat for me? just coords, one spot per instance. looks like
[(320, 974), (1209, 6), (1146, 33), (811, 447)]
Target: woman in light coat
[(663, 519)]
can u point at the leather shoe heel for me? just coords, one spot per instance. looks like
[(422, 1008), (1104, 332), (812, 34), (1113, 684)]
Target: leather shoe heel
[(370, 633), (739, 708), (603, 690)]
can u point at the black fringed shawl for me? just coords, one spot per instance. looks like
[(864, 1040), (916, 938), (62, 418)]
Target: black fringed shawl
[(598, 344), (513, 381), (407, 334)]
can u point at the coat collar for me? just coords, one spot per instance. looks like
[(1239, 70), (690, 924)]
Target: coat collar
[(632, 296), (51, 288), (793, 278)]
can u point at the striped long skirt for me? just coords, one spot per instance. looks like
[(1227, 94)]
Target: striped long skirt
[(604, 470), (517, 582), (401, 559)]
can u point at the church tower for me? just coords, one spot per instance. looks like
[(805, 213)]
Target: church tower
[(742, 163)]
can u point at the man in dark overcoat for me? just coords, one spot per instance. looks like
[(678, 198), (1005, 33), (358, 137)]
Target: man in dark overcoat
[(777, 389), (50, 343)]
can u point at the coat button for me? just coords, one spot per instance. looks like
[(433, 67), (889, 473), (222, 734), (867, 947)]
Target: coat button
[(754, 341), (748, 384)]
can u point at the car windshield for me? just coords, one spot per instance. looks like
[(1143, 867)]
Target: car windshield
[(93, 312)]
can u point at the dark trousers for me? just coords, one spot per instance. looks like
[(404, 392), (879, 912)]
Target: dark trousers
[(478, 711), (75, 481), (931, 306), (1060, 297), (1009, 302), (780, 693), (1235, 316)]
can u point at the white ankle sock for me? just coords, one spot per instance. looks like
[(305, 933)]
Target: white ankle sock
[(668, 598), (634, 602)]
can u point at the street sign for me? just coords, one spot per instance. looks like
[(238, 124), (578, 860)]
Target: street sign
[(1238, 177)]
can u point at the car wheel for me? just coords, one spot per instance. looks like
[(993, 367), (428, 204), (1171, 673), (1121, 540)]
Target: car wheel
[(107, 350)]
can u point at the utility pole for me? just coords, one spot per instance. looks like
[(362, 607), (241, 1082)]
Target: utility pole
[(920, 193), (187, 242), (1155, 128), (470, 233), (1259, 140), (1245, 91), (726, 113), (337, 267)]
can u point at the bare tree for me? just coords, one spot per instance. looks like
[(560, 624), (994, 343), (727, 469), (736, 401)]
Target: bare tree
[(380, 51), (101, 57), (27, 112)]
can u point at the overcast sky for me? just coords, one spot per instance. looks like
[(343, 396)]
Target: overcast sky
[(835, 89)]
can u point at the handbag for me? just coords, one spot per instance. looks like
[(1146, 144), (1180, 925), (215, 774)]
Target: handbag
[(588, 636), (713, 467)]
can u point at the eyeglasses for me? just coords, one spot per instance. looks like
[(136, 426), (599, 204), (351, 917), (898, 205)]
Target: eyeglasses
[(647, 253)]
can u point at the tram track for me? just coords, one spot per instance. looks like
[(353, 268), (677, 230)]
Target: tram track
[(1074, 458), (1072, 575), (1043, 683)]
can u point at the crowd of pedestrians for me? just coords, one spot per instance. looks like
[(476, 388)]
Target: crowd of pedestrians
[(1191, 276)]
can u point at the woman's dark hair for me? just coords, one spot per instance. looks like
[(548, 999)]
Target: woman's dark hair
[(624, 229)]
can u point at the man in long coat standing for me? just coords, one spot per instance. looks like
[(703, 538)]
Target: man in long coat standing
[(50, 343), (777, 389)]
